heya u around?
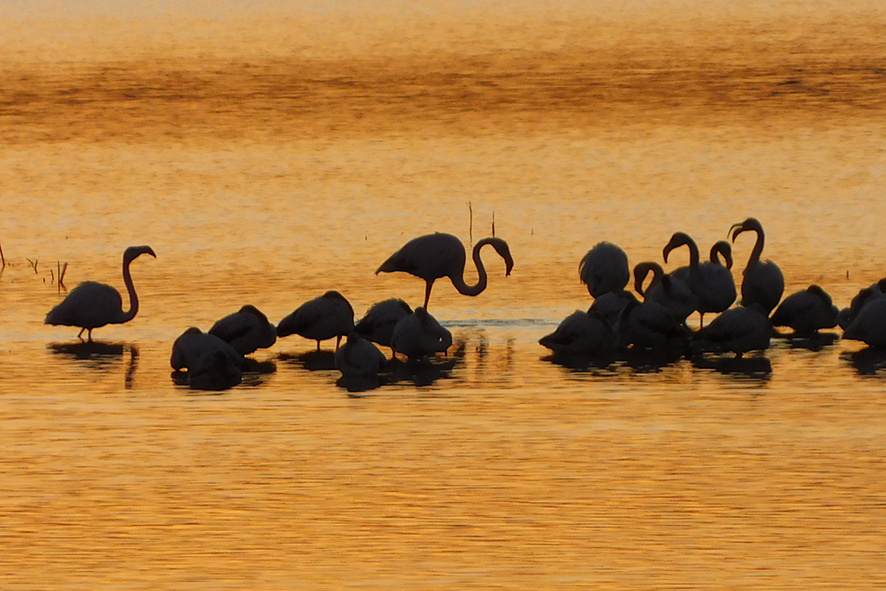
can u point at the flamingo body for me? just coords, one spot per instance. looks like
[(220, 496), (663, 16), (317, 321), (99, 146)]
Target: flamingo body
[(869, 324), (419, 335), (328, 316), (381, 318), (245, 330), (194, 344), (582, 333), (739, 330), (604, 269), (359, 357), (807, 311)]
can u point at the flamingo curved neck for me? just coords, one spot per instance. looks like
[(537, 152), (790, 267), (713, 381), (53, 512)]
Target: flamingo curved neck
[(758, 248), (459, 281), (133, 297)]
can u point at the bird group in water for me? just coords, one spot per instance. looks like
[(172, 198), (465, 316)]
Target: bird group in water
[(617, 321), (217, 359)]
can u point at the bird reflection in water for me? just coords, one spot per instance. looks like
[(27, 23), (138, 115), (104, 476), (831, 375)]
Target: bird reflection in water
[(757, 368), (813, 342), (868, 361), (310, 360), (100, 356)]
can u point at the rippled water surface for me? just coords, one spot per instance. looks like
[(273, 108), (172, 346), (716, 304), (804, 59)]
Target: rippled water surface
[(268, 168)]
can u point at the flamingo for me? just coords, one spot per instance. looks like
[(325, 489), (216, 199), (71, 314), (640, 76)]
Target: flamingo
[(437, 255), (649, 325), (381, 318), (611, 304), (246, 330), (763, 281), (92, 305), (864, 297), (359, 358), (869, 324), (807, 311), (325, 317), (739, 330), (604, 269), (582, 333), (665, 289), (419, 335), (711, 282), (212, 363)]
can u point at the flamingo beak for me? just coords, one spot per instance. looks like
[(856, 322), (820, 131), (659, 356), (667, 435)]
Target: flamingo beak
[(739, 228)]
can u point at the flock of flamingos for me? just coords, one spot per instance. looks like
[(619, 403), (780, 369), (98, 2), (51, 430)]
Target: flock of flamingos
[(617, 320)]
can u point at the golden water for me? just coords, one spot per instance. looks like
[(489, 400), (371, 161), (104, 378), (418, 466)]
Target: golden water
[(270, 157)]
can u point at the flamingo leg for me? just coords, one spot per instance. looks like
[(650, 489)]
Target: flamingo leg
[(701, 325), (428, 286), (89, 334), (337, 342), (318, 346), (80, 334)]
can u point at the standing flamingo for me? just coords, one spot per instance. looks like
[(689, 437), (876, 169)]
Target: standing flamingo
[(92, 305), (763, 281), (666, 289), (711, 282), (381, 318), (442, 255), (807, 311), (325, 317)]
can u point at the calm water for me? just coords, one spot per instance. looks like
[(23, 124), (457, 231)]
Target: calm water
[(267, 168)]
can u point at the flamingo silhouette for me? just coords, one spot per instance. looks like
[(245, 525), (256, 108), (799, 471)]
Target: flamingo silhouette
[(92, 305), (246, 330), (604, 269), (420, 334), (325, 317), (763, 281), (739, 330), (711, 282), (582, 333), (442, 255), (807, 311), (381, 318), (666, 289)]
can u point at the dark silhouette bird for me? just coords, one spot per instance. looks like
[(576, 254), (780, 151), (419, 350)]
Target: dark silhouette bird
[(193, 344), (381, 318), (711, 282), (246, 330), (433, 256), (92, 305), (611, 304), (419, 335), (740, 329), (807, 311), (211, 363), (864, 297), (665, 289), (604, 269), (582, 333), (328, 316), (649, 325), (359, 362), (869, 325), (763, 281)]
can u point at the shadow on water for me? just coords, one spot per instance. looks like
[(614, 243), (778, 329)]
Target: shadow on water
[(215, 378), (99, 356), (637, 360), (754, 369), (814, 342), (419, 372), (868, 361), (312, 360)]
